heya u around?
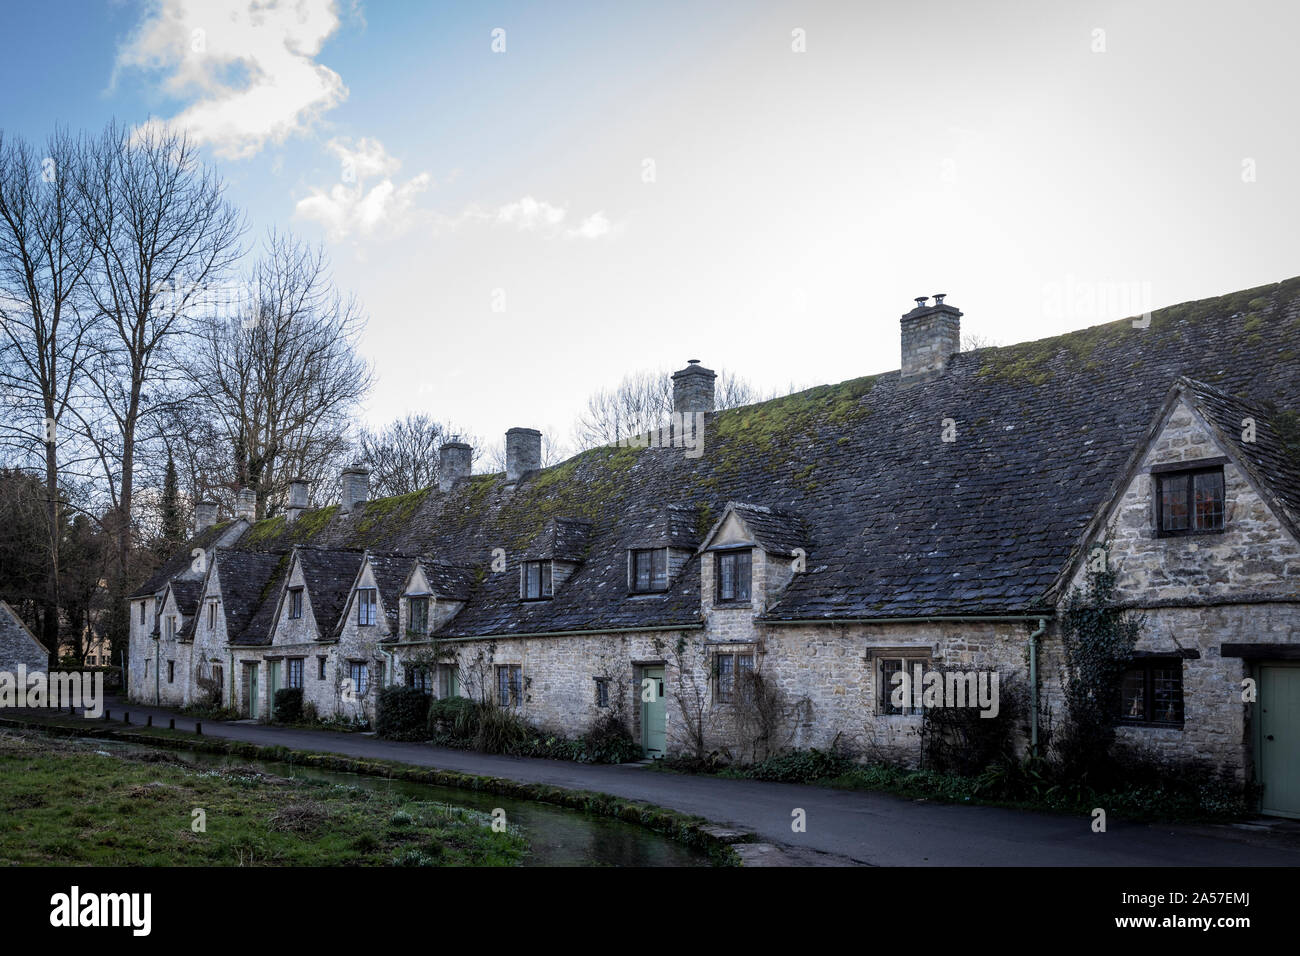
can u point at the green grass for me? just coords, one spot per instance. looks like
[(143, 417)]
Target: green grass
[(63, 803)]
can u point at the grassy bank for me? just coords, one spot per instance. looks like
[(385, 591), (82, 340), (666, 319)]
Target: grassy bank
[(65, 803), (692, 831)]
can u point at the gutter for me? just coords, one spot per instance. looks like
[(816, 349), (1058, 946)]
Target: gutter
[(598, 630), (909, 620)]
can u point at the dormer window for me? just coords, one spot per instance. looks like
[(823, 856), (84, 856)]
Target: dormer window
[(1189, 500), (733, 575), (417, 615), (536, 584), (649, 570), (295, 603)]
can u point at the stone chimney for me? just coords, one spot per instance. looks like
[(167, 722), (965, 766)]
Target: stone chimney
[(297, 500), (693, 388), (931, 336), (523, 452), (246, 505), (356, 487), (205, 515), (454, 458)]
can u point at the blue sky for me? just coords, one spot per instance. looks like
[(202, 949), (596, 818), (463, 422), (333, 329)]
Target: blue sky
[(1049, 166)]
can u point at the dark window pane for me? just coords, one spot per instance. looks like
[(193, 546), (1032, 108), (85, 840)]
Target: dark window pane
[(1167, 694), (1173, 499), (642, 562), (742, 576), (726, 676), (546, 578), (659, 573), (1209, 500), (1133, 695)]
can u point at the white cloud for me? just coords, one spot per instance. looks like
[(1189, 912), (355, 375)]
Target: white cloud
[(249, 66), (529, 214), (349, 208), (534, 216), (593, 227)]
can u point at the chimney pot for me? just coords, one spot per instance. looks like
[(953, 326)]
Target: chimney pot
[(454, 459), (693, 388), (523, 452), (920, 301), (938, 298), (356, 487)]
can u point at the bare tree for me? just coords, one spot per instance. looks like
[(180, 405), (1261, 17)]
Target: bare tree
[(161, 232), (403, 456), (972, 341), (43, 327), (281, 376), (644, 400)]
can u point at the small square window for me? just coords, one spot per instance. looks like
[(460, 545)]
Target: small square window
[(887, 682), (1190, 501), (536, 580), (1151, 692), (649, 570), (726, 665), (733, 573)]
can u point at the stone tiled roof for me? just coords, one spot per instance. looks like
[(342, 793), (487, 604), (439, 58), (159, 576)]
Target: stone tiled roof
[(897, 522), (563, 539), (179, 562), (328, 575), (250, 590), (17, 643), (676, 526), (778, 532), (448, 580), (390, 572)]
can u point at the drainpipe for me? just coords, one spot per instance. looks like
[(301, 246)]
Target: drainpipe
[(157, 683), (230, 686), (1033, 684)]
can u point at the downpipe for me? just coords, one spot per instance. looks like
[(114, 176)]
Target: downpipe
[(1033, 684)]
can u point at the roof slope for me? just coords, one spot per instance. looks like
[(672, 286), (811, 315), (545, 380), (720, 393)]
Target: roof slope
[(249, 581), (898, 523)]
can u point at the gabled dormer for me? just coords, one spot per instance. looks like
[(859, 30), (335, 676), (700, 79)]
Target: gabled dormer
[(434, 593), (1207, 507), (658, 551), (749, 556), (314, 595), (376, 598), (553, 557)]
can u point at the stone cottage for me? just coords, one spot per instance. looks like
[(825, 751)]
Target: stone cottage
[(935, 517), (19, 646)]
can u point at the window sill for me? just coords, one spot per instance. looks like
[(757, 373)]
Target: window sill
[(1161, 533), (534, 600), (1149, 724)]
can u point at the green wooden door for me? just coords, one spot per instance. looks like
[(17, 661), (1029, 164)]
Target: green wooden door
[(250, 690), (653, 713), (1279, 739), (275, 685)]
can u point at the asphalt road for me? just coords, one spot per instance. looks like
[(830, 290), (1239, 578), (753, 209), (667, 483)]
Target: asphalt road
[(841, 826)]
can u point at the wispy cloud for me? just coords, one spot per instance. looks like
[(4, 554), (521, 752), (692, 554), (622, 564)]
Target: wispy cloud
[(533, 216), (248, 66), (350, 208)]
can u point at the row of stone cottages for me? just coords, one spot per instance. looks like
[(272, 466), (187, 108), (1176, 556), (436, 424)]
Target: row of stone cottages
[(935, 515)]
